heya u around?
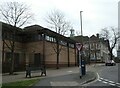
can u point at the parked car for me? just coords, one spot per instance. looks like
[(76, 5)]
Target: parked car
[(110, 63)]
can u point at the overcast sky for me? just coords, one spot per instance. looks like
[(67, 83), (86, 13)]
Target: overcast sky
[(96, 15)]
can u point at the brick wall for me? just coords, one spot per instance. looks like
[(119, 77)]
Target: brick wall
[(31, 49), (21, 56), (26, 53), (50, 54)]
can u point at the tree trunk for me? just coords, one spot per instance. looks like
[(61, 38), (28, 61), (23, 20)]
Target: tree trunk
[(111, 58), (89, 53), (95, 57), (57, 60), (68, 55), (12, 54), (58, 55), (89, 58), (12, 63)]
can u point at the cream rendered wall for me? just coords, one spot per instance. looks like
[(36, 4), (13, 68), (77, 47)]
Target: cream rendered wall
[(119, 23)]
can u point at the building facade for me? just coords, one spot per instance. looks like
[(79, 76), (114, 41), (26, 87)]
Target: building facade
[(95, 48), (36, 46)]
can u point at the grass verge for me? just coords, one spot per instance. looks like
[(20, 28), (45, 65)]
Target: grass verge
[(20, 84)]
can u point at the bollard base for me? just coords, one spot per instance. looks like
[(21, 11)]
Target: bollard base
[(80, 77)]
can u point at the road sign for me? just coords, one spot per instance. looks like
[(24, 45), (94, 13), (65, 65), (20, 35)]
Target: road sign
[(79, 46)]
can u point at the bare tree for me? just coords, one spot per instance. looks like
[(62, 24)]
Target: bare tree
[(111, 34), (56, 21), (17, 15)]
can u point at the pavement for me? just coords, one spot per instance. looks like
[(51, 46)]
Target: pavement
[(66, 80), (55, 77)]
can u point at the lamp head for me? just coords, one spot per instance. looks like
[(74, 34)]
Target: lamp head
[(81, 11)]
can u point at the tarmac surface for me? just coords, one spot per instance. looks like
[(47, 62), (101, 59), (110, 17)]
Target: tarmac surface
[(67, 76), (66, 80)]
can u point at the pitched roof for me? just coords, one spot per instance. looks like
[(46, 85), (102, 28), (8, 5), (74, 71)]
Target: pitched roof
[(39, 29), (78, 38), (33, 28)]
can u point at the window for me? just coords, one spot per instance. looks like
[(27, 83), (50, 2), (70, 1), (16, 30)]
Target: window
[(35, 37), (91, 46), (54, 39), (71, 45), (8, 36), (86, 46), (47, 38), (63, 43), (39, 37), (51, 39)]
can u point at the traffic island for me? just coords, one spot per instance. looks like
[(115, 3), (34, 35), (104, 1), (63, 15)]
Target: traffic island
[(89, 77)]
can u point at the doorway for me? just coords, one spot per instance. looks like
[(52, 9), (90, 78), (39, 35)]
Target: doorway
[(37, 59)]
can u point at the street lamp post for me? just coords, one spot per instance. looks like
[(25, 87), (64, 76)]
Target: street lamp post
[(81, 33), (80, 54), (81, 24), (82, 61)]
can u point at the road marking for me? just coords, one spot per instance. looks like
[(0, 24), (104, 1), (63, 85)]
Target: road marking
[(118, 83), (69, 71), (106, 81), (111, 81), (64, 83), (112, 84), (98, 77), (99, 80)]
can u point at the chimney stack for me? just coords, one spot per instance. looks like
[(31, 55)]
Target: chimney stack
[(97, 35), (72, 33)]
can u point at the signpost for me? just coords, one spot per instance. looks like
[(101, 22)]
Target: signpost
[(118, 55), (79, 47), (1, 53)]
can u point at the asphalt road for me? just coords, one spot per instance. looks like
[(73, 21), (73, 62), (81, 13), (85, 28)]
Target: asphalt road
[(107, 78)]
